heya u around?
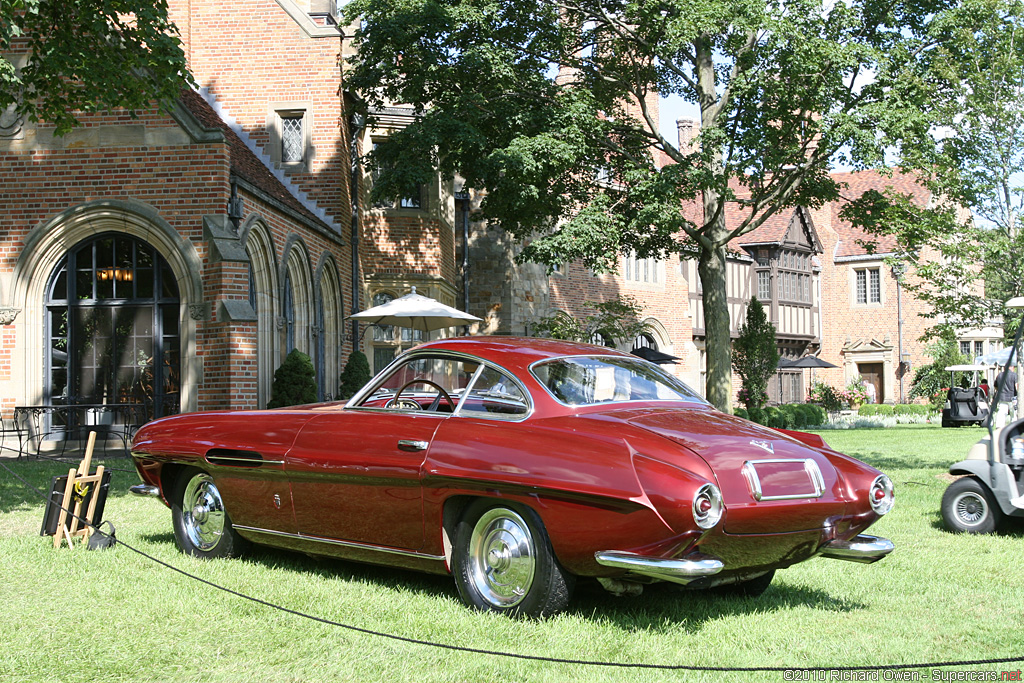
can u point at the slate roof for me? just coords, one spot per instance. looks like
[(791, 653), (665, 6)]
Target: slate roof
[(244, 163)]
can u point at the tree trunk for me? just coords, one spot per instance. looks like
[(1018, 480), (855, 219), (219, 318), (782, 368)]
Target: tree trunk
[(711, 267)]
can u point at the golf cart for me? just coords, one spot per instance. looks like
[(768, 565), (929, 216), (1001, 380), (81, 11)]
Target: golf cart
[(992, 481), (965, 406)]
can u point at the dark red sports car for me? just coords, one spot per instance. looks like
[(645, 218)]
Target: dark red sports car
[(517, 465)]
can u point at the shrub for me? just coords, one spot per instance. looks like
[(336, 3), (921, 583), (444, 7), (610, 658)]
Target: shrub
[(788, 416), (355, 375), (932, 381), (294, 382), (880, 409), (826, 396), (755, 356)]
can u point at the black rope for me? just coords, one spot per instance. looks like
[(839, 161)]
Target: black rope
[(515, 655)]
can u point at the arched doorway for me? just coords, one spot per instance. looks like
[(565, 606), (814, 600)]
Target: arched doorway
[(112, 327)]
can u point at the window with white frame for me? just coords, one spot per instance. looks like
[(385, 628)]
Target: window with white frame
[(764, 285), (868, 283), (794, 278), (644, 270)]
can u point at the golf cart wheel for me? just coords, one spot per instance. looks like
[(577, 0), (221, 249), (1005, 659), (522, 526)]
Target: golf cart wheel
[(968, 507)]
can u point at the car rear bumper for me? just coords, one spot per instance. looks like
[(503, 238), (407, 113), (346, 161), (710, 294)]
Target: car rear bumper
[(678, 570), (862, 548), (697, 566)]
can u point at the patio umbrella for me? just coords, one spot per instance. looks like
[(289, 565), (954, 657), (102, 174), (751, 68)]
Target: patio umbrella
[(811, 362), (658, 357), (415, 311)]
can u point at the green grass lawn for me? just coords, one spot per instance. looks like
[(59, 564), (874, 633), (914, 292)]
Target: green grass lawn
[(113, 615)]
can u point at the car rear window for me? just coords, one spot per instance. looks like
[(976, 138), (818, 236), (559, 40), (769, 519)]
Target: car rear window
[(590, 380)]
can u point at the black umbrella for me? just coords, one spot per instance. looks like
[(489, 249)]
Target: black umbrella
[(811, 362), (658, 357), (784, 363)]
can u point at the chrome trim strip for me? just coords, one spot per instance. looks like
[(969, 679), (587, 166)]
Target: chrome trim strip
[(862, 548), (218, 459), (810, 467), (412, 446), (345, 544), (682, 570), (145, 490)]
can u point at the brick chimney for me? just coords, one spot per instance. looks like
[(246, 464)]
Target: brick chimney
[(688, 132)]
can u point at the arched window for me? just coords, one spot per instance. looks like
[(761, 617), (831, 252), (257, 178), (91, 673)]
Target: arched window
[(288, 313), (598, 338), (645, 341), (112, 327)]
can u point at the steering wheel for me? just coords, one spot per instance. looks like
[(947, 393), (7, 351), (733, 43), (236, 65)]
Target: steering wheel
[(395, 401)]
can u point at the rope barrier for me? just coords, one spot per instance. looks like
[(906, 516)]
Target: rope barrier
[(527, 657)]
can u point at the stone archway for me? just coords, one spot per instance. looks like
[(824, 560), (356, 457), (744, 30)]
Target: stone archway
[(48, 244)]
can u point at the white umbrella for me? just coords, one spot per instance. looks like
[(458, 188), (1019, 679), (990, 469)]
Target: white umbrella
[(416, 311)]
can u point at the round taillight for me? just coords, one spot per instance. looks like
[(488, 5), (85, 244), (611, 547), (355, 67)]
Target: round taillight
[(707, 506), (881, 495)]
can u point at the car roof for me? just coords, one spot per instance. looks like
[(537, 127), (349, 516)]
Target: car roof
[(517, 351)]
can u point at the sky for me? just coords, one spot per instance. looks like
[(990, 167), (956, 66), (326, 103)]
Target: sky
[(672, 108)]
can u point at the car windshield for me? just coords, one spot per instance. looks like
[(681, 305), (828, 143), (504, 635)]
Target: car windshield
[(588, 380)]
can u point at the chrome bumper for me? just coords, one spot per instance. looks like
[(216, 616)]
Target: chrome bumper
[(683, 570), (145, 490), (861, 548)]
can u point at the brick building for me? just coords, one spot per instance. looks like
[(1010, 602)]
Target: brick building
[(172, 260)]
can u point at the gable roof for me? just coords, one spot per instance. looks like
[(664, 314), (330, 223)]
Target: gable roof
[(244, 162)]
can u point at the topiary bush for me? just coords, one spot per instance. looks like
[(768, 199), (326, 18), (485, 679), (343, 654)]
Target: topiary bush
[(355, 375), (294, 382)]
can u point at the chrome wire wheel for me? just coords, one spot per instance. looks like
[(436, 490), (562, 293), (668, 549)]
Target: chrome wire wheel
[(502, 557), (202, 513), (970, 508)]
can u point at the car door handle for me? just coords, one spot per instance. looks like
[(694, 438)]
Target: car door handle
[(412, 446)]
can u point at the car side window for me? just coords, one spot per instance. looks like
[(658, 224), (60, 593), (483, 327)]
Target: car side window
[(495, 395), (423, 383)]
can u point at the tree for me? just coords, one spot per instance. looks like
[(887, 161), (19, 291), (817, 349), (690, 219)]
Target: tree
[(60, 58), (617, 320), (931, 382), (975, 160), (568, 163), (294, 382), (355, 375), (755, 356)]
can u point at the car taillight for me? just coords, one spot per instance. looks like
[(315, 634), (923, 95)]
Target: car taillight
[(707, 506), (881, 495)]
